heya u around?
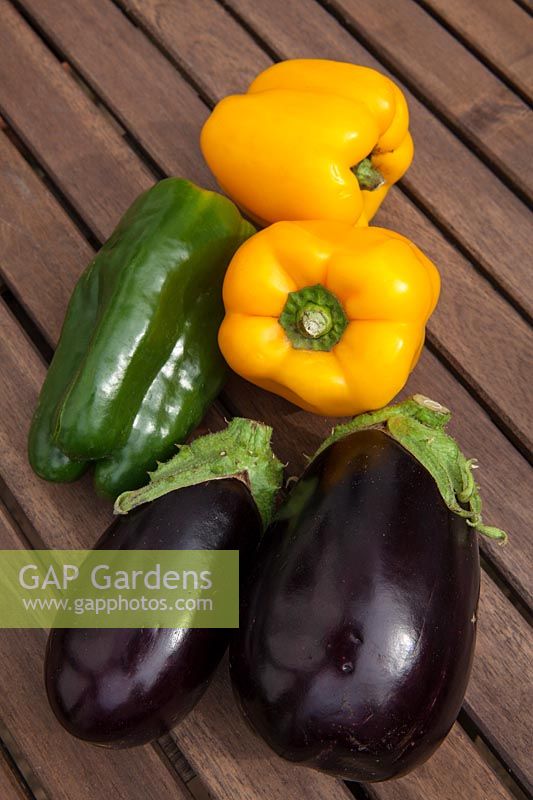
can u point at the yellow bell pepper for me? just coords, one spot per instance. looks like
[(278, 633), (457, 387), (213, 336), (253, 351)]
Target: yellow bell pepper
[(311, 139), (327, 315)]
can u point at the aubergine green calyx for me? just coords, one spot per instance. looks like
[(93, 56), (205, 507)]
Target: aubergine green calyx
[(419, 424), (241, 451), (138, 363)]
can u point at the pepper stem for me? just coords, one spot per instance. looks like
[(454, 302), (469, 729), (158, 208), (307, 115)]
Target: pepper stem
[(313, 319), (418, 424), (368, 175), (240, 451)]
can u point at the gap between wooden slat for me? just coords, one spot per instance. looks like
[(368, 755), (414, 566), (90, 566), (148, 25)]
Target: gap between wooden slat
[(478, 397), (26, 322), (496, 576), (475, 51), (27, 785), (98, 101), (527, 6), (63, 201), (462, 248), (504, 773), (177, 66)]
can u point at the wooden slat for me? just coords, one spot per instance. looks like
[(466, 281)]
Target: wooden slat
[(451, 80), (42, 251), (500, 30), (456, 771), (437, 780), (44, 104), (501, 705), (132, 77), (30, 216), (56, 511), (465, 288), (66, 767), (446, 178), (237, 758), (485, 340), (466, 296), (211, 720), (225, 728)]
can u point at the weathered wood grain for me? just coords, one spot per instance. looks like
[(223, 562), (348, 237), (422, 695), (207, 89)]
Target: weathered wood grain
[(10, 787), (44, 104), (446, 178), (42, 251), (458, 784), (238, 768), (66, 767), (504, 642), (57, 512), (133, 78), (451, 80), (466, 350), (499, 30)]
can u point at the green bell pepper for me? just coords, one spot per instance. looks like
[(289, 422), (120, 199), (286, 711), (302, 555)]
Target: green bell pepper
[(138, 362)]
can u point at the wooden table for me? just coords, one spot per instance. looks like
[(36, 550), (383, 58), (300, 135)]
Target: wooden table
[(98, 99)]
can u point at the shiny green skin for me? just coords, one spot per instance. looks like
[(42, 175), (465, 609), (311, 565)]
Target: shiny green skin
[(138, 361)]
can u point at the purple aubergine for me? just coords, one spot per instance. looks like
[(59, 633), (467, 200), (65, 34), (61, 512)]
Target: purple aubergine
[(125, 687), (358, 627)]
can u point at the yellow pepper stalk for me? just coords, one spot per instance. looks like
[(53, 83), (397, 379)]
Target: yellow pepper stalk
[(328, 315), (310, 139)]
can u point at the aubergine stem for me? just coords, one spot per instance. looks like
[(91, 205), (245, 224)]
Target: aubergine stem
[(418, 424), (241, 451)]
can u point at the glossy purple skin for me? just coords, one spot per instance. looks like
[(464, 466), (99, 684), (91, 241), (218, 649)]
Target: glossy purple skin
[(358, 627), (121, 688)]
